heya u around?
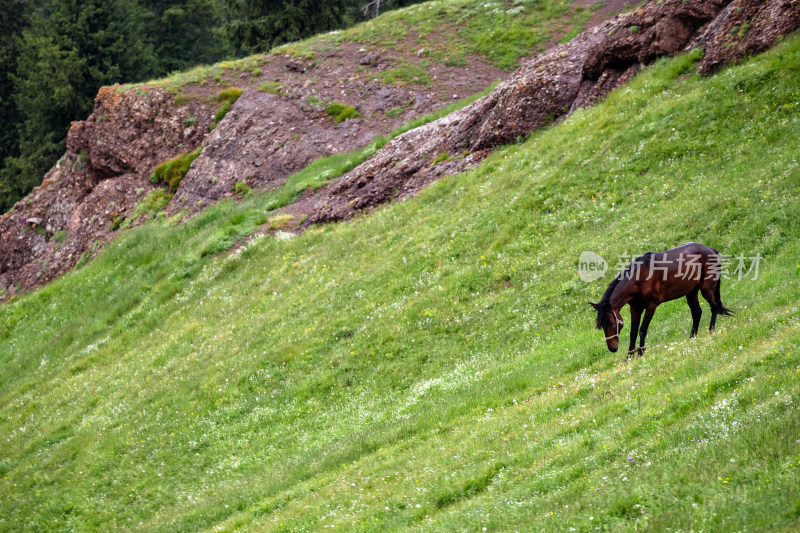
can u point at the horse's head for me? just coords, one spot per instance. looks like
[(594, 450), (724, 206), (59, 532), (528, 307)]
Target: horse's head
[(610, 322)]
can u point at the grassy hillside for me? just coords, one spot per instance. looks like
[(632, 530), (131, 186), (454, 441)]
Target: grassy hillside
[(501, 31), (434, 364)]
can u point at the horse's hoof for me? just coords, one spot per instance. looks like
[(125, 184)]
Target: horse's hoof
[(631, 352), (640, 350)]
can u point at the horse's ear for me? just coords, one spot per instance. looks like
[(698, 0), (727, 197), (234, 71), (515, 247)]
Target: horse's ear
[(594, 305)]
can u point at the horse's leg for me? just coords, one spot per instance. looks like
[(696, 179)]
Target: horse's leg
[(648, 316), (694, 306), (636, 314), (708, 295)]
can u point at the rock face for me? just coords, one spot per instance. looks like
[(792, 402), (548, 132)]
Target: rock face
[(267, 135), (133, 131), (552, 86), (280, 123), (265, 138), (745, 27), (95, 185)]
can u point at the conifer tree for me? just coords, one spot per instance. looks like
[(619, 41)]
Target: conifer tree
[(258, 25)]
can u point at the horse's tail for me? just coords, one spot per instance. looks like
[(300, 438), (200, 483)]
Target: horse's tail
[(721, 309)]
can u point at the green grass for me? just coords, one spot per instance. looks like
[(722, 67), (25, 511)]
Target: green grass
[(201, 73), (280, 221), (434, 365), (395, 112), (60, 236), (151, 205), (273, 87), (340, 111), (170, 172), (444, 156), (337, 110), (227, 97), (408, 73), (242, 189), (231, 94), (498, 31)]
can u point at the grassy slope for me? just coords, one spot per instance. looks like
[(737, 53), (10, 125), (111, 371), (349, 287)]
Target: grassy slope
[(435, 363), (500, 31)]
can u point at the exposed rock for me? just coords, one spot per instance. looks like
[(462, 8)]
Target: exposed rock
[(298, 65), (552, 86), (370, 59), (263, 139), (266, 137), (134, 131), (95, 185), (745, 27)]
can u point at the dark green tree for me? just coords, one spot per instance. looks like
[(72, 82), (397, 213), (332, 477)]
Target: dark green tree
[(12, 20), (66, 54), (46, 96), (185, 33), (257, 26)]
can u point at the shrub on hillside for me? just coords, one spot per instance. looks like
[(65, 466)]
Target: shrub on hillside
[(340, 111), (173, 171)]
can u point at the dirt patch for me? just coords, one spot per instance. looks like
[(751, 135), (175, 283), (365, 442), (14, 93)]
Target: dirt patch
[(284, 119)]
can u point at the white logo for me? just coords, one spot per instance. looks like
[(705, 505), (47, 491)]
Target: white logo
[(591, 266)]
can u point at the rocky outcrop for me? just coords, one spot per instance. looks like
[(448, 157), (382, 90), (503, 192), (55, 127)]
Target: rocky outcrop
[(133, 131), (745, 27), (280, 123), (552, 86), (265, 138), (277, 126), (96, 184)]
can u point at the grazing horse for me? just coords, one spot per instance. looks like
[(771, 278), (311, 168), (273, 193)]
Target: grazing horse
[(657, 277)]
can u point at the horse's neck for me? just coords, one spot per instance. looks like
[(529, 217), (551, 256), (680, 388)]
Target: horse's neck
[(621, 295)]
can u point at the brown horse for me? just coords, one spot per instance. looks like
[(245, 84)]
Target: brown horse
[(657, 277)]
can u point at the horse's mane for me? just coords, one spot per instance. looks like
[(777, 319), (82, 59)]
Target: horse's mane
[(602, 308)]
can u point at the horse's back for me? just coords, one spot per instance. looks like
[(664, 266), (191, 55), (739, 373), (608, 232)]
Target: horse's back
[(673, 273), (694, 249), (686, 249)]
